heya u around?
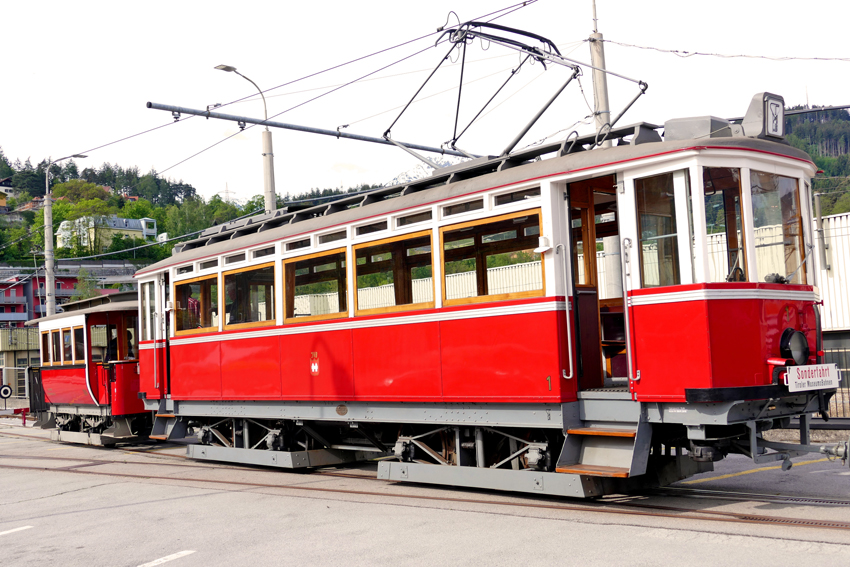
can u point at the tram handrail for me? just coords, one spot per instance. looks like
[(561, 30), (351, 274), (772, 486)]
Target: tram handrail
[(624, 260)]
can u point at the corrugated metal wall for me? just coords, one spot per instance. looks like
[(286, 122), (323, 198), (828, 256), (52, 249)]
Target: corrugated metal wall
[(835, 282)]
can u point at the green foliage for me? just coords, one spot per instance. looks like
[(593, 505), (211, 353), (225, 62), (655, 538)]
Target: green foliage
[(77, 190), (86, 286)]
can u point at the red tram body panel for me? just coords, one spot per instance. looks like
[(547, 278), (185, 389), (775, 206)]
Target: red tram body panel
[(723, 335)]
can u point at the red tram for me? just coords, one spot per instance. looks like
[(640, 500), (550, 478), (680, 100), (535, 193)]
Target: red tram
[(89, 373), (591, 322)]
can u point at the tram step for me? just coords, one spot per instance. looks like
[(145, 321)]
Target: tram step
[(602, 432), (166, 415), (159, 437), (595, 470)]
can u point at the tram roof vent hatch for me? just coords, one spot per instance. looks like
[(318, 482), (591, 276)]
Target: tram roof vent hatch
[(697, 127)]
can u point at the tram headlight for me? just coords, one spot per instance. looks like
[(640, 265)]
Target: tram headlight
[(793, 344)]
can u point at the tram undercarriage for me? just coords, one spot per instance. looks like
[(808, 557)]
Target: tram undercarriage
[(93, 425), (604, 443)]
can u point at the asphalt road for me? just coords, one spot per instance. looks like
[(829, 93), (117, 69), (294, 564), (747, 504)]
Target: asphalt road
[(69, 510)]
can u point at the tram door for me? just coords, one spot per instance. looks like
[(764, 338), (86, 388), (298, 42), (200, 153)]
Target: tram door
[(597, 283)]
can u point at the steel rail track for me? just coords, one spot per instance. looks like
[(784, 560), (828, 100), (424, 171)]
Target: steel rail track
[(682, 492), (600, 507), (616, 508)]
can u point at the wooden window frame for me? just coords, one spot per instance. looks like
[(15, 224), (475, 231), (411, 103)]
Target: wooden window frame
[(265, 323), (174, 295), (496, 297), (62, 332), (73, 344), (290, 286), (57, 332), (395, 308), (49, 361)]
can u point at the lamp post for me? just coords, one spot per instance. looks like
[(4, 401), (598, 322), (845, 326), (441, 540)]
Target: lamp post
[(49, 280), (268, 155)]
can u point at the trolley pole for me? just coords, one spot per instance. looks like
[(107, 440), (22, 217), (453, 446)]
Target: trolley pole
[(600, 79)]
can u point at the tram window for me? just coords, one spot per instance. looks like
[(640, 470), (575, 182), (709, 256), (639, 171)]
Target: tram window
[(332, 237), (370, 228), (492, 259), (197, 305), (724, 224), (79, 345), (580, 238), (463, 207), (132, 346), (235, 258), (67, 346), (56, 346), (298, 244), (778, 226), (517, 196), (209, 264), (249, 296), (184, 269), (264, 252), (45, 348), (659, 253), (316, 287), (99, 342), (413, 219), (148, 315), (395, 273)]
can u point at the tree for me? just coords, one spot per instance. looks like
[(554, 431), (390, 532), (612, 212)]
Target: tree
[(78, 190), (86, 286), (5, 167)]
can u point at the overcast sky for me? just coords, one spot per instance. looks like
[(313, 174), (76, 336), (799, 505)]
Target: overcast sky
[(77, 76)]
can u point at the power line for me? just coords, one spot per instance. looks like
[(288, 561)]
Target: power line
[(684, 54)]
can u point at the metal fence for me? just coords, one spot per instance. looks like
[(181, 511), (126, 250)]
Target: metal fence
[(840, 404)]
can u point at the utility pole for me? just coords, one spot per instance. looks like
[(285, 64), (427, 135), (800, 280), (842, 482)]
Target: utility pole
[(49, 279), (268, 155), (600, 78)]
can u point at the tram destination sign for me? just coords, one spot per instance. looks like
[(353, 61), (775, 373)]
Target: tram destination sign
[(812, 377)]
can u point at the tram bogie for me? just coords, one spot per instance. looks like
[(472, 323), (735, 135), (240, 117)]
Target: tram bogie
[(592, 322)]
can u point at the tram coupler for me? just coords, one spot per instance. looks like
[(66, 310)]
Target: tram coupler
[(784, 451)]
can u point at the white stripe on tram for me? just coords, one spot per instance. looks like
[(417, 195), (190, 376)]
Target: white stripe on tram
[(168, 558)]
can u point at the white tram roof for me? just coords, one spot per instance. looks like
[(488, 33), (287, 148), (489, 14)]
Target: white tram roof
[(448, 183), (127, 301)]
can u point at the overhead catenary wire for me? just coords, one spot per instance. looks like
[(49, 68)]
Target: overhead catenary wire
[(507, 10), (683, 53)]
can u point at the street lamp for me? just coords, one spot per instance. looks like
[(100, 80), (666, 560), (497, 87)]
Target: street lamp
[(268, 156), (48, 237)]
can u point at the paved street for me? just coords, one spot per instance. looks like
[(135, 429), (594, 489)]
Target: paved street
[(148, 504)]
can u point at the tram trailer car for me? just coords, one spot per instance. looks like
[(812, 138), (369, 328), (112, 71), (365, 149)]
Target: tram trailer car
[(598, 321), (89, 375)]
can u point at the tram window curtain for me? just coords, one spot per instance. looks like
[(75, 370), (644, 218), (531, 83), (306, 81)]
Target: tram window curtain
[(197, 305), (492, 259), (394, 274), (778, 226), (724, 224), (659, 251), (316, 287), (249, 296)]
